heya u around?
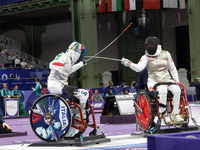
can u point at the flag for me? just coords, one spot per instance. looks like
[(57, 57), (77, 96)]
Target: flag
[(129, 5), (114, 5), (170, 4), (101, 4), (151, 4), (182, 4)]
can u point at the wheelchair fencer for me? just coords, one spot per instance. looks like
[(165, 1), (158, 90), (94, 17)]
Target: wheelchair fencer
[(53, 118), (147, 108)]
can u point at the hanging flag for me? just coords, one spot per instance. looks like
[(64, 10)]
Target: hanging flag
[(129, 5), (114, 5), (151, 4), (182, 4), (101, 4), (170, 3)]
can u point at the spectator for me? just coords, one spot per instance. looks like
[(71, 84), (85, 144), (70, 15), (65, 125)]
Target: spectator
[(17, 94), (197, 86), (6, 53), (16, 54), (133, 83), (122, 92), (101, 85), (110, 84), (23, 63), (126, 91), (11, 58), (23, 57), (109, 92), (4, 127), (33, 65), (17, 62), (3, 50), (37, 66), (96, 96), (1, 44), (28, 66), (38, 88), (5, 93), (5, 43), (123, 84)]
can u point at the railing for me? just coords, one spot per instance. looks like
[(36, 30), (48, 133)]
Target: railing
[(14, 46)]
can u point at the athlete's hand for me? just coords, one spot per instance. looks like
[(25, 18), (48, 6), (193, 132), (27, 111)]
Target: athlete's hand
[(126, 62)]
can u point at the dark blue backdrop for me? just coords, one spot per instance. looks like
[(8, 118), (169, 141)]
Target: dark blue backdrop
[(4, 2), (23, 78)]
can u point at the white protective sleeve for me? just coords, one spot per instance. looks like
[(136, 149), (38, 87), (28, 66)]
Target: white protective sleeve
[(172, 67), (76, 67), (140, 65)]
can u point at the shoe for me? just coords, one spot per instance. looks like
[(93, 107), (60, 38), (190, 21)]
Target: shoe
[(167, 119), (177, 118)]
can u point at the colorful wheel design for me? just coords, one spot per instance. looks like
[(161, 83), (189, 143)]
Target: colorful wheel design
[(50, 118), (143, 111)]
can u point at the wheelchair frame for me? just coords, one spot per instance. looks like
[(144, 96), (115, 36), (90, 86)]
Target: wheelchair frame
[(147, 108), (48, 118)]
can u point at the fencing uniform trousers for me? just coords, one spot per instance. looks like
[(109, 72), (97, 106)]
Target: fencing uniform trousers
[(162, 90)]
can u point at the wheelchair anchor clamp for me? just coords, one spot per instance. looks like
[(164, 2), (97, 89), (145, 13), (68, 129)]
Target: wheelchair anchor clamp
[(79, 140)]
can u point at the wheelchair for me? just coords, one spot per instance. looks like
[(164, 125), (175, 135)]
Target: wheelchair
[(147, 105), (51, 119)]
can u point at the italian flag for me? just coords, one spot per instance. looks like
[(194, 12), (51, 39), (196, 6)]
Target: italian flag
[(129, 5), (114, 5)]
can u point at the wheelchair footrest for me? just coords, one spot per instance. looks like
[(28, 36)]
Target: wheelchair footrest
[(87, 140), (174, 123)]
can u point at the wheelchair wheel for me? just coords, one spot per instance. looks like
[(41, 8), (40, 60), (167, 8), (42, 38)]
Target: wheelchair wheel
[(50, 118), (143, 111)]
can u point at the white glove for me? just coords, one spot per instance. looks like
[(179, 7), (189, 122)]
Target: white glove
[(126, 62)]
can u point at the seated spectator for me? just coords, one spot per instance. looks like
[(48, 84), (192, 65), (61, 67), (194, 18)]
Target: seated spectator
[(4, 127), (2, 68), (33, 65), (16, 54), (126, 91), (110, 84), (1, 44), (37, 66), (3, 50), (122, 92), (101, 85), (123, 84), (17, 62), (109, 92), (96, 96), (17, 94), (197, 86), (5, 93), (23, 63), (11, 58), (133, 84), (23, 57), (6, 53), (5, 43), (28, 66)]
